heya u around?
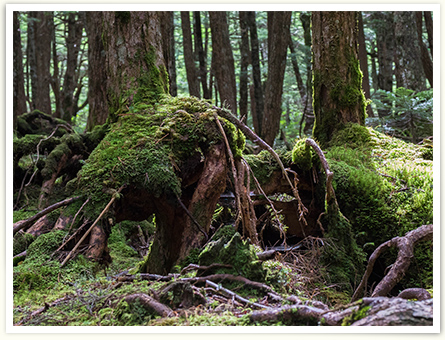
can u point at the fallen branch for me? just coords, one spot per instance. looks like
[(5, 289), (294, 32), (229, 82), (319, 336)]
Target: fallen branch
[(330, 194), (290, 312), (115, 195), (219, 288), (405, 244), (28, 222), (192, 267), (149, 303)]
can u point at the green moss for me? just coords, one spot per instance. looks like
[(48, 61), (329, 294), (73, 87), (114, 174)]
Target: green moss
[(352, 136), (146, 148), (301, 155), (235, 252), (359, 314), (264, 164)]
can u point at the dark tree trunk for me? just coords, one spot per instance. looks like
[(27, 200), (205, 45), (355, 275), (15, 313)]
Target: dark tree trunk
[(429, 29), (383, 23), (308, 111), (168, 49), (244, 64), (71, 77), (363, 57), (97, 74), (427, 61), (257, 101), (201, 55), (298, 78), (338, 96), (192, 73), (374, 76), (408, 60), (224, 66), (55, 79), (278, 41), (39, 54), (19, 100)]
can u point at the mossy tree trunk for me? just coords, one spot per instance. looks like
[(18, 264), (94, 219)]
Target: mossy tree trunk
[(19, 101), (135, 65), (338, 96)]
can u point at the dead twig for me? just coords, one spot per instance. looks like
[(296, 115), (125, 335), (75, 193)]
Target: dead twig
[(219, 288), (115, 195)]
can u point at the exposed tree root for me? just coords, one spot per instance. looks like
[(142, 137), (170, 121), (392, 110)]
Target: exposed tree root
[(20, 225), (406, 245)]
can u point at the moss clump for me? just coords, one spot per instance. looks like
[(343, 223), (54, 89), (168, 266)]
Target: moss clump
[(352, 136), (359, 314), (301, 155), (41, 270), (21, 242), (148, 147), (264, 164), (235, 252)]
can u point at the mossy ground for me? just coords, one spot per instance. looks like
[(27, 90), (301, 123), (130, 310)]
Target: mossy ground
[(384, 186)]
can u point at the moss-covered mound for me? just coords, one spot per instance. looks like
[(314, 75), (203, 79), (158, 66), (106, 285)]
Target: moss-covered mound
[(384, 187), (153, 148)]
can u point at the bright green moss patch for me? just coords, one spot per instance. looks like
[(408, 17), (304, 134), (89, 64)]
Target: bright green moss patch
[(301, 154)]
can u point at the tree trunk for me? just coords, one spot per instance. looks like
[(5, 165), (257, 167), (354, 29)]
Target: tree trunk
[(257, 101), (427, 61), (19, 100), (201, 55), (224, 63), (39, 54), (308, 112), (244, 64), (429, 29), (363, 57), (409, 68), (192, 73), (97, 74), (135, 65), (301, 87), (168, 49), (278, 41), (383, 23), (338, 95), (71, 77)]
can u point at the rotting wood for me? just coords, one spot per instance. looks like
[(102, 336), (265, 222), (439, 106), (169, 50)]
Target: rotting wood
[(20, 225), (405, 244)]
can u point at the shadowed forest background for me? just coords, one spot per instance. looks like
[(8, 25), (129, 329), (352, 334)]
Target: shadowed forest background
[(287, 156)]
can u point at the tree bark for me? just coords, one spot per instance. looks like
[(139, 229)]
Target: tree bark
[(97, 74), (70, 80), (363, 57), (257, 101), (427, 61), (383, 23), (39, 54), (408, 61), (201, 55), (338, 95), (278, 41), (19, 100), (168, 49), (244, 64), (134, 63), (224, 66), (192, 73)]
